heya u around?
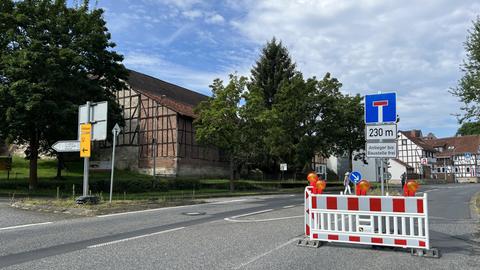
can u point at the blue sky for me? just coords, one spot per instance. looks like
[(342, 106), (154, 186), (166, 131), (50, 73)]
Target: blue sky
[(412, 47)]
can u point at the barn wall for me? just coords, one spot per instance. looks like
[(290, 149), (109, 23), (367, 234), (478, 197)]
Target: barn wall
[(152, 129), (157, 137), (194, 159)]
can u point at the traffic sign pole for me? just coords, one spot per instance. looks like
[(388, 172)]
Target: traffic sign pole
[(115, 132), (86, 160), (382, 180)]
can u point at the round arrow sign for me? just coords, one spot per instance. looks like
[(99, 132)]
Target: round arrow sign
[(355, 177)]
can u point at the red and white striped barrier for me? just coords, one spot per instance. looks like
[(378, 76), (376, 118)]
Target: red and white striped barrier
[(371, 220)]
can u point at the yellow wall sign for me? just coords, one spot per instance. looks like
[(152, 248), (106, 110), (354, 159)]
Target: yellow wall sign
[(85, 139)]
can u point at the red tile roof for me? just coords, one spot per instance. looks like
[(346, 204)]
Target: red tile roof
[(170, 95), (461, 144), (419, 141)]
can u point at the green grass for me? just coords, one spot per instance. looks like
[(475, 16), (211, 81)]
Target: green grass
[(175, 189), (47, 170)]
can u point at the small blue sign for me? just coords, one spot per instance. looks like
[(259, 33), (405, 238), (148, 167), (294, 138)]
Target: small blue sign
[(381, 108), (355, 177), (467, 156)]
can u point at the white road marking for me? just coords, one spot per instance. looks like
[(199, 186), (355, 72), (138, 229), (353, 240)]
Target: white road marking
[(232, 201), (133, 238), (167, 208), (260, 220), (24, 226), (142, 211), (288, 206), (265, 254), (431, 190), (252, 213)]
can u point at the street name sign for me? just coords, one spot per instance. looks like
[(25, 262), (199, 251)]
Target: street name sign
[(381, 132), (85, 139), (381, 149), (381, 108), (98, 119), (355, 177), (67, 146)]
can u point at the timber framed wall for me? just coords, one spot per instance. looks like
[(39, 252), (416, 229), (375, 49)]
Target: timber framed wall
[(154, 131)]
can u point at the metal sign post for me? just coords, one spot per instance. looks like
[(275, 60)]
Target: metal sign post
[(115, 131), (86, 160), (382, 180)]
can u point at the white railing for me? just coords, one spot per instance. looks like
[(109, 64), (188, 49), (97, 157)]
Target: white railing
[(372, 220)]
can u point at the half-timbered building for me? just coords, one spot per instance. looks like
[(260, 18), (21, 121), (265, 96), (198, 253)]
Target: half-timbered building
[(412, 149), (159, 136), (458, 158)]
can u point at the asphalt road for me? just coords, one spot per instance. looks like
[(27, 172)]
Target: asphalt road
[(236, 233)]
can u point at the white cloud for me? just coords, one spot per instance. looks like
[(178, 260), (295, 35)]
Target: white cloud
[(412, 47), (192, 14), (215, 19), (183, 4)]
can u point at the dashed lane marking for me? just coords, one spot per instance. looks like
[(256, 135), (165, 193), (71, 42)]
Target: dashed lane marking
[(24, 226), (133, 238)]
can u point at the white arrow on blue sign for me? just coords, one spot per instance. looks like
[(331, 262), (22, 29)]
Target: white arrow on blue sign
[(381, 108), (355, 177)]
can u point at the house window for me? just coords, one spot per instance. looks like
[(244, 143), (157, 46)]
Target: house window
[(404, 142), (456, 169), (468, 169), (451, 147), (439, 170), (443, 169)]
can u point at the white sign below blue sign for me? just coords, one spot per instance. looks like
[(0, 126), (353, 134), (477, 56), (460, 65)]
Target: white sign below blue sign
[(355, 177), (381, 108)]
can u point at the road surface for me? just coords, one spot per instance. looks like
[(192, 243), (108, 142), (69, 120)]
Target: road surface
[(237, 233)]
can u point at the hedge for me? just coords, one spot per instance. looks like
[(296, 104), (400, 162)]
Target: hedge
[(157, 185)]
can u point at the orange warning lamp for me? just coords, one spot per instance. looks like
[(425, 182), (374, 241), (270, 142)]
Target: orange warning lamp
[(410, 188), (312, 178), (320, 186), (362, 187)]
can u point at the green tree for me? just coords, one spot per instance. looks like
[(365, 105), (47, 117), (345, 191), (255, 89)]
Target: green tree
[(469, 128), (219, 123), (350, 127), (52, 58), (273, 68), (468, 89)]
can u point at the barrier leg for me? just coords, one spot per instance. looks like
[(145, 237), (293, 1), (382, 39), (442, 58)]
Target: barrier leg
[(309, 243), (428, 253)]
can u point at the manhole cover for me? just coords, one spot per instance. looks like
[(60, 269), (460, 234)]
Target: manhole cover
[(194, 213)]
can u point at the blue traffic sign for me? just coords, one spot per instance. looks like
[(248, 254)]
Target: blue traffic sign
[(355, 177), (381, 108), (467, 156)]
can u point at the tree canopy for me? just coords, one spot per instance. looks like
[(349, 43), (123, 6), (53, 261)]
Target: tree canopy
[(468, 89), (273, 68), (219, 122), (281, 117), (469, 128), (52, 58)]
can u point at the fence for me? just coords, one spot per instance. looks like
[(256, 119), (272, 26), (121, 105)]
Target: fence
[(370, 220)]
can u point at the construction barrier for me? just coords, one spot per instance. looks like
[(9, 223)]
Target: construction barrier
[(394, 221)]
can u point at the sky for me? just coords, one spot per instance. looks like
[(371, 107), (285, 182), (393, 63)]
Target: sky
[(414, 48)]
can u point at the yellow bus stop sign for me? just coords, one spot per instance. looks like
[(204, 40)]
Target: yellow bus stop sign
[(85, 139)]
